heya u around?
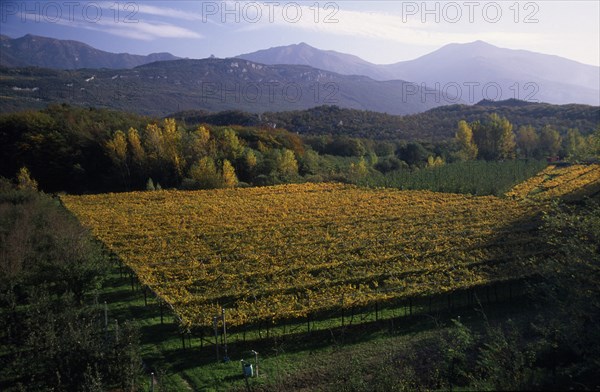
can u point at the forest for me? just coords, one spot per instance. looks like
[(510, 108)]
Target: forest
[(80, 150)]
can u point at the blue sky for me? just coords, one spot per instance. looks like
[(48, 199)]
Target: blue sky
[(377, 31)]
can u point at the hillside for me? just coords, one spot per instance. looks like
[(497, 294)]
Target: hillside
[(44, 52), (210, 84), (438, 124)]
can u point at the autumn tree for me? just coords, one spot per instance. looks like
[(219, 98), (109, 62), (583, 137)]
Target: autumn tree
[(229, 179), (116, 148), (506, 140), (198, 144), (287, 166), (464, 138), (172, 145), (435, 161)]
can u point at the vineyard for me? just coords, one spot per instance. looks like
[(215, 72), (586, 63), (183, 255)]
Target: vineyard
[(567, 182), (286, 252)]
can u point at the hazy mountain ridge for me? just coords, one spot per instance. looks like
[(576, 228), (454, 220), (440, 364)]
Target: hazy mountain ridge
[(211, 84), (31, 50), (479, 71), (322, 78)]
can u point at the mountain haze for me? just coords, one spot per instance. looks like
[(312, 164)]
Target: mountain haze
[(32, 50), (211, 84), (473, 67), (330, 60)]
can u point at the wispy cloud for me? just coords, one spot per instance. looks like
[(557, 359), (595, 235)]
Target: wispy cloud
[(168, 12), (149, 31), (135, 29)]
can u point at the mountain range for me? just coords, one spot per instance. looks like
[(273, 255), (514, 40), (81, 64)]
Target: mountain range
[(472, 72), (33, 50), (293, 77), (164, 87)]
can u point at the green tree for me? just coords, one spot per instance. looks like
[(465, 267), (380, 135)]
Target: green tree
[(414, 154), (527, 141), (358, 171), (576, 147), (231, 146), (205, 174), (494, 138), (550, 141)]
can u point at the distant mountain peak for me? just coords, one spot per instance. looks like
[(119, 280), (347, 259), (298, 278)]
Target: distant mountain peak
[(46, 52)]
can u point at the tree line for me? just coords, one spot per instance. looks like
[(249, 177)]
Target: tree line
[(94, 150), (496, 139)]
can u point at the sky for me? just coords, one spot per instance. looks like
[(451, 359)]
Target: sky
[(381, 32)]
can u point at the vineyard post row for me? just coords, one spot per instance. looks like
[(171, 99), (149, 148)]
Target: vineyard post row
[(391, 311)]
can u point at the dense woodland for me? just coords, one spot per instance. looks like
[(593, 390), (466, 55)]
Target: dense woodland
[(435, 124), (94, 150)]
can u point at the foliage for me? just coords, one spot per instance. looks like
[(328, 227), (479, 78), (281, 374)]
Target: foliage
[(284, 252), (471, 177), (467, 148), (569, 290), (571, 182), (52, 336), (439, 123), (79, 151)]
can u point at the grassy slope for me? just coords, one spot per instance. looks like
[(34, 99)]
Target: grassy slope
[(299, 361)]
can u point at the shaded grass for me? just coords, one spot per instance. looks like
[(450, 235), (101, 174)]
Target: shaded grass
[(290, 356)]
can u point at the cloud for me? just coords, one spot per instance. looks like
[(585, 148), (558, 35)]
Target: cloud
[(168, 12), (389, 26), (135, 29)]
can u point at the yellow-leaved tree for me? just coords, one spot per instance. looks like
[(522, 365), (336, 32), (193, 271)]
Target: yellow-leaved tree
[(228, 175), (464, 138)]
